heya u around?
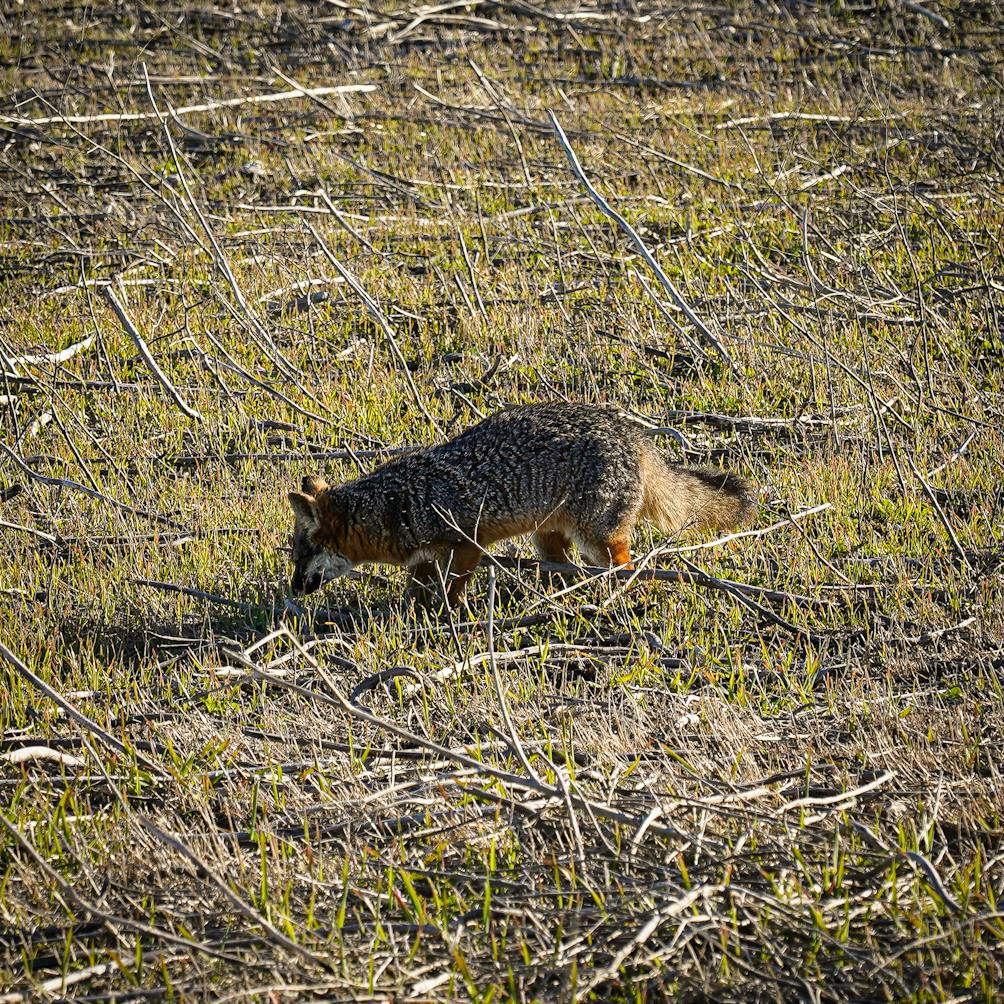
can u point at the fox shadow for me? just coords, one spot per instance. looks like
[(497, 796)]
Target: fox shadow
[(146, 646)]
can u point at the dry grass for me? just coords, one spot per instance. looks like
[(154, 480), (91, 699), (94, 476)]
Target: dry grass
[(783, 788)]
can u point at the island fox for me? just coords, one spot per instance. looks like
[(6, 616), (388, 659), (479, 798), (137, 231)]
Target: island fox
[(563, 472)]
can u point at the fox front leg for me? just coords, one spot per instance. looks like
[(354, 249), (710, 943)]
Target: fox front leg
[(425, 587), (440, 582), (555, 546), (463, 562)]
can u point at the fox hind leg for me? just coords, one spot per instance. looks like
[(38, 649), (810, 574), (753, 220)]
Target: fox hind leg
[(606, 552), (552, 545), (425, 587), (462, 563)]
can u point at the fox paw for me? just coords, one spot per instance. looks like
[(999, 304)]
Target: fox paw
[(427, 598)]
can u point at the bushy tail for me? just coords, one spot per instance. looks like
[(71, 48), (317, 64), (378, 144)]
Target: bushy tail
[(677, 498)]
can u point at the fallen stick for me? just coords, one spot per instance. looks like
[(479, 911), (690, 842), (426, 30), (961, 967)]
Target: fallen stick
[(248, 911), (678, 575), (378, 315), (744, 534), (839, 798), (49, 358), (32, 754), (56, 985), (78, 487), (807, 117), (261, 335), (144, 351), (644, 251), (41, 534), (78, 716), (528, 784), (928, 13), (192, 109), (472, 661), (172, 587)]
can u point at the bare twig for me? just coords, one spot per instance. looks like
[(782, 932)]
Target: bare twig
[(172, 587), (77, 487), (33, 754), (604, 206), (144, 351), (50, 358), (238, 903), (79, 717), (57, 985), (49, 538), (942, 518), (497, 680), (378, 315), (931, 15), (113, 922), (192, 109)]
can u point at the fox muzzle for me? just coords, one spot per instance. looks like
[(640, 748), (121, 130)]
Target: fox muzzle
[(309, 576), (301, 584)]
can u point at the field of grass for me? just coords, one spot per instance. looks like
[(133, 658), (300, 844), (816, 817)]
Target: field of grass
[(244, 243)]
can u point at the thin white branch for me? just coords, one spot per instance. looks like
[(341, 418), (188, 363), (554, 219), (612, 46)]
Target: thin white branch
[(48, 358), (604, 206), (840, 798), (31, 754), (144, 351), (378, 315), (192, 109), (76, 486), (927, 12), (57, 985), (81, 719)]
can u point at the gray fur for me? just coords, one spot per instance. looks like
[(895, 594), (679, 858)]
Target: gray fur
[(587, 472)]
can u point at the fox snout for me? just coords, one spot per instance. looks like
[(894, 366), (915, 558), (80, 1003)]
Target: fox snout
[(313, 562), (311, 573), (301, 584)]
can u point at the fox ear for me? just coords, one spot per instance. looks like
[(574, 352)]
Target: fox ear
[(313, 485), (305, 508)]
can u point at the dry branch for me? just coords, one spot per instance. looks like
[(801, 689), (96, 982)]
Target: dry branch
[(77, 487), (50, 358), (604, 206), (172, 587), (191, 109), (273, 933), (33, 754), (57, 985), (692, 577), (144, 351), (114, 923), (33, 680), (339, 700), (378, 315)]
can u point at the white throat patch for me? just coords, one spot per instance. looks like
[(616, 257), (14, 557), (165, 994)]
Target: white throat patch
[(328, 566)]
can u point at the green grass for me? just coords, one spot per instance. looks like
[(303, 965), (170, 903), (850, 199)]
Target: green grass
[(719, 806)]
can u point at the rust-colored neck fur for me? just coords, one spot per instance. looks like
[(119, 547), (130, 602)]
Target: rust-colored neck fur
[(360, 539)]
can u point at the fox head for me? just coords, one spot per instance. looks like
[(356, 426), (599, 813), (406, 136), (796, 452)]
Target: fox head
[(315, 557)]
